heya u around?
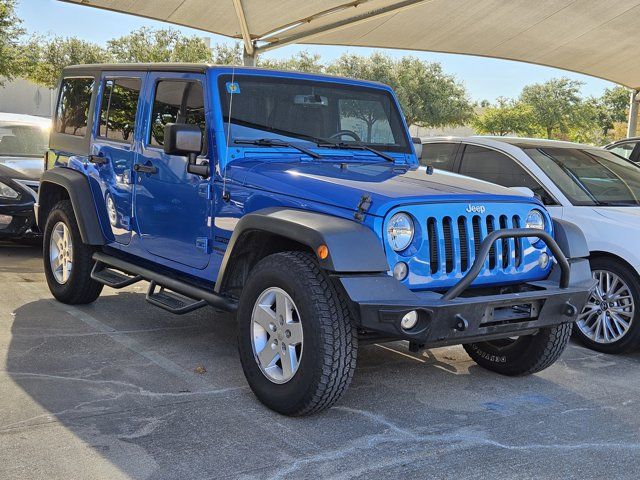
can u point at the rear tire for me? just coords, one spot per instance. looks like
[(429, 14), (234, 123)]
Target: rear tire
[(323, 341), (524, 355), (73, 284)]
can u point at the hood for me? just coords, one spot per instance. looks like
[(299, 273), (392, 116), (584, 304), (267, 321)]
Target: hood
[(389, 186), (21, 168), (629, 215)]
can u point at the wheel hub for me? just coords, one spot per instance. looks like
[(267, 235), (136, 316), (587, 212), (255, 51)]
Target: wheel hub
[(61, 252), (277, 335), (609, 312)]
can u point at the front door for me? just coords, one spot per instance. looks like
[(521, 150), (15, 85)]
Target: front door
[(172, 206), (114, 145)]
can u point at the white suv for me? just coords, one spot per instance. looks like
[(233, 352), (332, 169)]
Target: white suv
[(591, 187)]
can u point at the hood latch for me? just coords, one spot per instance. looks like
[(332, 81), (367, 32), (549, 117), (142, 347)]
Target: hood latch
[(363, 207)]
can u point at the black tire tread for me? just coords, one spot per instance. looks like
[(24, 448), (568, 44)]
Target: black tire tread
[(339, 335), (83, 289), (545, 348)]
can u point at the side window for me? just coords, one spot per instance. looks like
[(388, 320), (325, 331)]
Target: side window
[(495, 167), (118, 109), (439, 155), (176, 102), (625, 150), (73, 106)]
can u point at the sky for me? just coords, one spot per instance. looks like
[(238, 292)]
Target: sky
[(483, 78)]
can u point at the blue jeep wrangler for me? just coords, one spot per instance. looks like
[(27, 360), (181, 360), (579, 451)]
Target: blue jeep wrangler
[(296, 201)]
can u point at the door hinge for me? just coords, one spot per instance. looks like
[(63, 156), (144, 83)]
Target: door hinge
[(203, 243), (363, 207)]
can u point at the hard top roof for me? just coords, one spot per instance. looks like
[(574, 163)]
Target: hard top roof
[(521, 142)]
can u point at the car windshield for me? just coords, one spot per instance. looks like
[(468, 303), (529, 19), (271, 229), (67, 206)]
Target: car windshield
[(305, 111), (23, 140), (590, 176)]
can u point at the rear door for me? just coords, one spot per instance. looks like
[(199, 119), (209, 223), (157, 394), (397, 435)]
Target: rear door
[(114, 147), (172, 206)]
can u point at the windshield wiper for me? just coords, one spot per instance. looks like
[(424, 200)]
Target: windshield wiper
[(273, 142), (323, 142)]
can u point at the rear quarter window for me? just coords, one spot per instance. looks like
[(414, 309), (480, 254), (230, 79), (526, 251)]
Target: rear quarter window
[(72, 111)]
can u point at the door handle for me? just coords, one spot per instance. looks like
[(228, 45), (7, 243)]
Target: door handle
[(145, 168), (98, 159)]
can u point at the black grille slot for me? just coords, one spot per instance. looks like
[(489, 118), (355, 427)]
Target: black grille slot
[(433, 245), (518, 241), (464, 249), (476, 234), (492, 250), (506, 251), (448, 244)]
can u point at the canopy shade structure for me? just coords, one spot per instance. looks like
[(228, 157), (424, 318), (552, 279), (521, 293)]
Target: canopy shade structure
[(595, 37)]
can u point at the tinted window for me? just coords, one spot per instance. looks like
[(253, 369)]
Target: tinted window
[(439, 155), (73, 106), (590, 176), (176, 102), (625, 150), (22, 139), (495, 167), (303, 110), (118, 109)]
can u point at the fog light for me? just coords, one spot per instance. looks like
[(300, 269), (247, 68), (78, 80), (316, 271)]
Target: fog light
[(5, 220), (409, 320), (543, 260), (400, 271)]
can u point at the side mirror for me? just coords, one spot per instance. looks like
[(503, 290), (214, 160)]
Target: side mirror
[(417, 145), (186, 141)]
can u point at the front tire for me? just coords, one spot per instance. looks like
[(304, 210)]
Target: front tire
[(524, 355), (297, 343), (610, 322), (67, 261)]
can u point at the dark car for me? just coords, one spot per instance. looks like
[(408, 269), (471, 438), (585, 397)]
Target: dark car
[(628, 148), (23, 141)]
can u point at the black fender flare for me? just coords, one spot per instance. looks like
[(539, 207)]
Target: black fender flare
[(353, 247), (77, 186)]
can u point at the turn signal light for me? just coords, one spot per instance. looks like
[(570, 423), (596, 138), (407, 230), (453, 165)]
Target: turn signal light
[(323, 252)]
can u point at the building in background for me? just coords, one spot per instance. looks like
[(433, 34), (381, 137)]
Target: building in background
[(23, 96)]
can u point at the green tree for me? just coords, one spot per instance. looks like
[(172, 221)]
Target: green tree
[(159, 45), (611, 108), (46, 58), (555, 104), (11, 62), (504, 118), (428, 96), (225, 54), (300, 62)]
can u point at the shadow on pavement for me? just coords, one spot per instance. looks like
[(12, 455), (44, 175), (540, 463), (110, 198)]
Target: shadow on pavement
[(121, 377)]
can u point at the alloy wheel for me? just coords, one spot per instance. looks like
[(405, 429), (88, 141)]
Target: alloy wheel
[(609, 312), (277, 336), (61, 252)]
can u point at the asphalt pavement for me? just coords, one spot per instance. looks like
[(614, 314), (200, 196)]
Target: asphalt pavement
[(120, 389)]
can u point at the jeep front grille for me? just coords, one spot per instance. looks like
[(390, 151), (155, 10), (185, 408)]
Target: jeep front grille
[(454, 243)]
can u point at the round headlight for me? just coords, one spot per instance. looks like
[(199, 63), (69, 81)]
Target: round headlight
[(535, 219), (400, 231)]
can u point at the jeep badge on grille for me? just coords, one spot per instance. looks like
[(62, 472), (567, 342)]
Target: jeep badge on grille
[(476, 209)]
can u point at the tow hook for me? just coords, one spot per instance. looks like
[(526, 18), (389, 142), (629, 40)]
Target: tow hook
[(461, 323), (569, 310)]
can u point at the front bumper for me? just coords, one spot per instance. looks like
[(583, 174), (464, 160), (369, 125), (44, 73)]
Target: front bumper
[(18, 221), (380, 302)]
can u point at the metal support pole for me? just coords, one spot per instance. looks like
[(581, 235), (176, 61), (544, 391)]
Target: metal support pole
[(632, 126), (248, 59)]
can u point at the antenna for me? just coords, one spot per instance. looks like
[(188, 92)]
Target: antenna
[(225, 194)]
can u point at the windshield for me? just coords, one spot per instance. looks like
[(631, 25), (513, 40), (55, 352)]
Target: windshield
[(590, 176), (310, 111), (23, 140)]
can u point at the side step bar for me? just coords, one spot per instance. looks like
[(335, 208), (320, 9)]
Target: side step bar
[(189, 296)]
